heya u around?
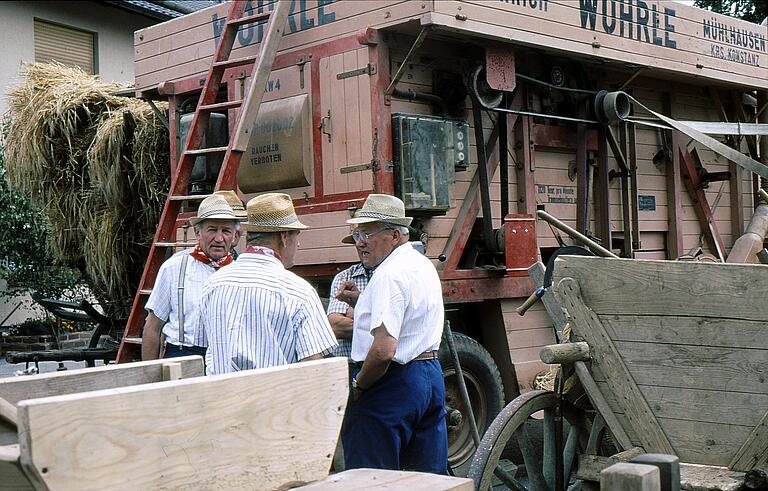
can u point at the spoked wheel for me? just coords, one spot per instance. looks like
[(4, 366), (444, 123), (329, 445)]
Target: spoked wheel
[(529, 421)]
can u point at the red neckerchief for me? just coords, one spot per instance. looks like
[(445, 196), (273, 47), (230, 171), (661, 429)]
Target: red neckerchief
[(264, 251), (197, 253)]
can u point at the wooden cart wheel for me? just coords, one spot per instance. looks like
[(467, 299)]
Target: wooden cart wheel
[(528, 420)]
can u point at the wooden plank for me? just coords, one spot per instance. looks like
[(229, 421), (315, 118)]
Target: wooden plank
[(693, 330), (704, 443), (754, 452), (171, 371), (675, 247), (586, 324), (379, 479), (200, 433), (680, 287), (14, 390), (631, 477)]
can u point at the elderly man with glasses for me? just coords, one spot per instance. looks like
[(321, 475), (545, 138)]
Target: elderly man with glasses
[(396, 415)]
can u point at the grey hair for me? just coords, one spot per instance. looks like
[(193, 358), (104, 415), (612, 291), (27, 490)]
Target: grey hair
[(400, 228), (199, 226), (257, 238)]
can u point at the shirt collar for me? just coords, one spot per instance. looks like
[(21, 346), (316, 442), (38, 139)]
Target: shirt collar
[(398, 251)]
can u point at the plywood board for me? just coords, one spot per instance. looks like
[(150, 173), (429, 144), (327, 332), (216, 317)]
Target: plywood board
[(274, 426), (16, 389)]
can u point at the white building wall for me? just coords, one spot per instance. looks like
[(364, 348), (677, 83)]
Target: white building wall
[(113, 27)]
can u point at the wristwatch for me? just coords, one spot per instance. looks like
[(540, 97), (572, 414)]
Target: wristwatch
[(356, 386)]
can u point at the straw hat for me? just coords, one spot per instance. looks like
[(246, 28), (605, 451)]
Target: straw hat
[(272, 212), (382, 208), (234, 201), (214, 206)]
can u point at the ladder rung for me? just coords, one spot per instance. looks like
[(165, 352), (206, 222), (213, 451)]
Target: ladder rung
[(132, 340), (221, 106), (190, 197), (204, 151), (235, 62), (248, 19), (145, 291), (175, 244)]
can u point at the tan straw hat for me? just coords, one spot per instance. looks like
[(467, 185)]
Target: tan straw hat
[(382, 208), (272, 212), (234, 201), (214, 206)]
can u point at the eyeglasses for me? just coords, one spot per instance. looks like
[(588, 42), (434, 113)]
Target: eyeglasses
[(359, 236)]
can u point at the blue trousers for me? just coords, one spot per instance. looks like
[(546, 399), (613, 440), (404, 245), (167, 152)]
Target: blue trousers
[(399, 422), (174, 351)]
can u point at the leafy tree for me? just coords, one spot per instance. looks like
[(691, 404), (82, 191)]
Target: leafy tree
[(750, 10), (24, 262)]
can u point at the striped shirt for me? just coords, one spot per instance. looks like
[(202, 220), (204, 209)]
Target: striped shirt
[(405, 295), (255, 314), (359, 275), (164, 300)]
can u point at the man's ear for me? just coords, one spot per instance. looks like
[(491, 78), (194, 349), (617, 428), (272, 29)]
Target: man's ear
[(284, 236)]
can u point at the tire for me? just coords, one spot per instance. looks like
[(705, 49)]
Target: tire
[(486, 394)]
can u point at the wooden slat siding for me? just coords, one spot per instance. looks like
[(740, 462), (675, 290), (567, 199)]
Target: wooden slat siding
[(688, 288), (754, 452), (585, 323), (191, 60), (14, 390), (559, 28), (526, 336), (354, 118), (708, 406), (702, 367), (686, 330), (171, 427), (335, 181)]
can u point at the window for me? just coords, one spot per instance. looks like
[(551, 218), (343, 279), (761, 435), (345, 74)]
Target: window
[(66, 45)]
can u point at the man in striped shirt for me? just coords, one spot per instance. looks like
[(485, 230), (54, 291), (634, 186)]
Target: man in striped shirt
[(255, 313), (396, 416), (173, 305)]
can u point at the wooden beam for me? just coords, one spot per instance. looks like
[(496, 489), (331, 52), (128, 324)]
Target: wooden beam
[(634, 406), (632, 145), (526, 187), (626, 202), (631, 477), (699, 198), (16, 389), (674, 202), (754, 452), (602, 188), (582, 169), (386, 480)]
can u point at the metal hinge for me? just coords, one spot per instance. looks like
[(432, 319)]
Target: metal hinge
[(368, 69)]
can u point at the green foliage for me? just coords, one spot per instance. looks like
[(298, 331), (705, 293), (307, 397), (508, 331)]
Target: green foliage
[(24, 261), (749, 10)]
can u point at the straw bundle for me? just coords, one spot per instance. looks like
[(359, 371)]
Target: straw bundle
[(98, 165)]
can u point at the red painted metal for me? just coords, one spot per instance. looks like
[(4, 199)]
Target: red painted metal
[(317, 136), (500, 66), (560, 137), (478, 290), (381, 118), (520, 248)]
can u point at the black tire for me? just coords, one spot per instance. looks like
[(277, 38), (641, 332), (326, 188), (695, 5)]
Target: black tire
[(486, 393)]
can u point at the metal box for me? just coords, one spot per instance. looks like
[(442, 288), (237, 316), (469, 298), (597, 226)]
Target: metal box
[(427, 151)]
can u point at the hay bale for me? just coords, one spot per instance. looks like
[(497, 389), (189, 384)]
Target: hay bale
[(98, 165)]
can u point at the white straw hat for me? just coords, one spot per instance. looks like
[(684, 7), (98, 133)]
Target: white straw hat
[(213, 207), (382, 208), (234, 201), (272, 212)]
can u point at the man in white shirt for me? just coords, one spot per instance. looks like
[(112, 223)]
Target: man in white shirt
[(396, 416), (173, 305), (255, 313)]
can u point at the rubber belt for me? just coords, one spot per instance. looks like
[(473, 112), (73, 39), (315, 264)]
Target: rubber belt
[(729, 153)]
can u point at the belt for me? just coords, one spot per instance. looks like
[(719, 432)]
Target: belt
[(427, 355)]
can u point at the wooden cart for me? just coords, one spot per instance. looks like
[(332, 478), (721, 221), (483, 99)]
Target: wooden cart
[(673, 359)]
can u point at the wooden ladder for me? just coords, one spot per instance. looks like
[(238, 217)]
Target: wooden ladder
[(165, 236)]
